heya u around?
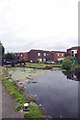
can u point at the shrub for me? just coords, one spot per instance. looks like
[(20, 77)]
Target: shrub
[(67, 63), (78, 60)]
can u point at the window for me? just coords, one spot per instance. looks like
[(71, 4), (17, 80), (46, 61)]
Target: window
[(72, 53), (44, 54), (44, 60), (40, 60), (57, 54), (62, 54), (39, 54), (21, 55)]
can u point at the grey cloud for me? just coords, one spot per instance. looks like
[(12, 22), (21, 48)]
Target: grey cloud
[(22, 31)]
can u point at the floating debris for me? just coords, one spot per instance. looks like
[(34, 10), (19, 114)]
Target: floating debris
[(20, 82), (17, 80), (55, 68), (40, 105), (28, 82), (25, 87), (29, 78), (34, 81), (32, 97), (29, 75)]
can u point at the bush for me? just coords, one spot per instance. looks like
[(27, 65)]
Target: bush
[(78, 60), (60, 61), (35, 113), (67, 63)]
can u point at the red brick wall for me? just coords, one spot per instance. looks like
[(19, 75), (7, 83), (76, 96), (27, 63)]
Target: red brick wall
[(78, 53), (69, 52), (23, 55), (56, 56)]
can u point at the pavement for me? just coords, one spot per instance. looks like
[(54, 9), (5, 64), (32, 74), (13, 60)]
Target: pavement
[(8, 105)]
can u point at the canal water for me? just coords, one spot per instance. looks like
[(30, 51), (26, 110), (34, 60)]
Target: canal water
[(57, 92)]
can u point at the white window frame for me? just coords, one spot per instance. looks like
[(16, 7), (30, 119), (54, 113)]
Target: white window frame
[(21, 55), (44, 54), (44, 60), (62, 54), (58, 54), (39, 54)]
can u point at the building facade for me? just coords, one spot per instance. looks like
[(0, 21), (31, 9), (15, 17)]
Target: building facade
[(58, 55), (74, 51), (39, 56), (22, 56)]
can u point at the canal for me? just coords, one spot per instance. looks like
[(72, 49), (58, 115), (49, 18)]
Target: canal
[(57, 92)]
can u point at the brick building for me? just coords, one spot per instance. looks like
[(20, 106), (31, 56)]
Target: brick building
[(74, 51), (39, 56), (58, 55), (22, 56)]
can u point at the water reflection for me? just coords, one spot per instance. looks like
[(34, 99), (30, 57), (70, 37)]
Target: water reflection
[(72, 75), (57, 96)]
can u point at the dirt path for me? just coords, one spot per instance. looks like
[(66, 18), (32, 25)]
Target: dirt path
[(8, 106)]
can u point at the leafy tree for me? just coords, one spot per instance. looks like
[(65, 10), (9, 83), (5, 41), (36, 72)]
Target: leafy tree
[(2, 49), (10, 56), (78, 60), (67, 63)]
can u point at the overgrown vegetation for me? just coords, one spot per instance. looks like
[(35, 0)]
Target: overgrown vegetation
[(2, 49), (34, 112), (67, 63), (71, 63), (15, 92)]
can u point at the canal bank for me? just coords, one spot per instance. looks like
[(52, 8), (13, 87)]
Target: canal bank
[(16, 92), (8, 106), (53, 90)]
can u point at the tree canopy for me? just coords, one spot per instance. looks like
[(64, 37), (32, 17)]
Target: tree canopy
[(10, 56), (2, 49), (67, 63)]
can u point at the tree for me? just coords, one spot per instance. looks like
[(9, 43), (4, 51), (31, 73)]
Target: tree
[(10, 56), (2, 49), (67, 63)]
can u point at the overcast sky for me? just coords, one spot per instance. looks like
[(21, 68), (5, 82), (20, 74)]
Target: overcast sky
[(38, 24)]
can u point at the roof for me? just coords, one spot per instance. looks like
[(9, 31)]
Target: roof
[(39, 50), (20, 52), (74, 48), (58, 51)]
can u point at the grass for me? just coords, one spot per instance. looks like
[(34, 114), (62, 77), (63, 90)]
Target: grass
[(41, 64), (14, 92), (35, 112)]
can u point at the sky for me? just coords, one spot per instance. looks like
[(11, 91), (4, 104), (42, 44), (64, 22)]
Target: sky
[(38, 24)]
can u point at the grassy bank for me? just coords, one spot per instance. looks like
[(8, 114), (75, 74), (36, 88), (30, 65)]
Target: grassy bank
[(34, 112), (42, 65)]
